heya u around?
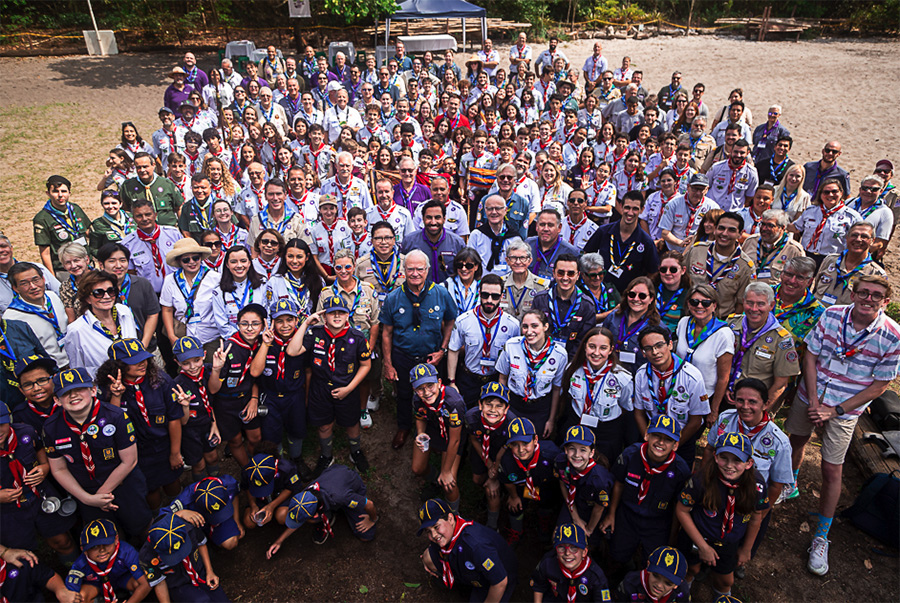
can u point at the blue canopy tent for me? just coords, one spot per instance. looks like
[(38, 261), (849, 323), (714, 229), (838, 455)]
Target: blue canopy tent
[(438, 9)]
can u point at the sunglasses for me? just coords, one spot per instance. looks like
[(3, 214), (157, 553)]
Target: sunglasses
[(466, 265), (269, 242), (869, 189), (212, 244), (493, 296), (696, 303), (344, 267), (593, 274), (667, 269), (101, 293), (569, 273), (190, 258), (636, 295)]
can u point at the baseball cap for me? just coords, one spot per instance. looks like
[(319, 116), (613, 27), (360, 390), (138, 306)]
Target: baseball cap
[(129, 351), (165, 110), (736, 443), (72, 378), (495, 390), (668, 562), (521, 430), (97, 533), (27, 363), (422, 374), (185, 104), (699, 180), (284, 307), (433, 510), (335, 303), (211, 497), (170, 538), (665, 425), (578, 434), (569, 533), (260, 473), (4, 414), (727, 599), (301, 507), (327, 200), (187, 348), (885, 163), (333, 86)]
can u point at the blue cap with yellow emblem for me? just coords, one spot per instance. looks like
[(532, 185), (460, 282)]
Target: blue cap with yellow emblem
[(736, 443), (129, 351), (727, 599), (301, 507), (579, 434), (665, 425), (521, 430), (27, 363), (170, 538), (284, 307), (211, 497), (72, 378), (422, 374), (187, 348), (4, 414), (668, 562), (569, 533), (97, 533), (433, 510), (495, 390), (260, 474), (335, 303)]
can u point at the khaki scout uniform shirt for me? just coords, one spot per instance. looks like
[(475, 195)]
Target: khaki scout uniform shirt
[(769, 265), (366, 273), (516, 301), (729, 281), (363, 312), (772, 355), (828, 286)]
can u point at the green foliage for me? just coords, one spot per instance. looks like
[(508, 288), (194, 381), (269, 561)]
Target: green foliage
[(352, 11), (877, 16), (893, 311), (613, 11)]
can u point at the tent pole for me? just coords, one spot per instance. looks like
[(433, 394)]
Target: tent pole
[(464, 33), (387, 36)]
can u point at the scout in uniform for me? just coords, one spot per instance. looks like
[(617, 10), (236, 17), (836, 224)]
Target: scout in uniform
[(338, 488), (466, 553), (199, 432), (27, 583), (520, 285), (585, 484), (36, 373), (568, 574), (165, 195), (265, 475), (773, 247), (330, 233), (340, 359), (95, 463), (723, 524), (649, 476), (383, 267), (106, 565), (17, 340), (661, 582), (796, 308), (439, 414), (59, 222), (487, 426), (176, 562), (526, 471), (832, 285), (210, 503), (130, 381)]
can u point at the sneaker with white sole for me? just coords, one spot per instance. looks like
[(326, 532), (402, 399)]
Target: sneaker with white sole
[(789, 492), (373, 403), (365, 420), (818, 556)]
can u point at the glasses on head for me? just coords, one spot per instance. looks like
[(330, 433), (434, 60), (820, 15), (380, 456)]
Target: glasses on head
[(649, 349), (268, 242), (249, 325), (493, 296), (212, 244), (593, 275), (101, 293), (36, 383), (343, 267), (568, 273), (875, 296), (637, 295), (466, 265), (696, 303), (869, 189)]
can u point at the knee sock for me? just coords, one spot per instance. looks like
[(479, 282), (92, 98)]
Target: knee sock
[(326, 445), (492, 519), (295, 448), (796, 473), (517, 522), (354, 444), (824, 526), (212, 469), (454, 506)]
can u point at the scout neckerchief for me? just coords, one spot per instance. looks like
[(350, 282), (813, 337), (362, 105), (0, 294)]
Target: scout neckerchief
[(714, 276), (820, 175), (436, 259), (101, 328), (489, 328), (152, 240), (268, 265), (623, 258), (437, 408), (109, 593), (189, 293), (730, 500), (238, 340), (217, 263), (650, 472), (40, 413), (281, 225), (777, 170), (752, 432), (298, 288), (68, 219), (416, 301), (661, 394), (694, 339), (465, 298), (533, 363), (645, 583), (139, 398), (570, 478), (329, 235), (754, 218), (783, 313), (747, 342), (527, 469), (81, 432), (693, 212), (357, 292), (846, 349), (557, 323), (574, 228), (16, 468), (626, 333), (192, 161), (817, 233), (358, 242), (542, 257), (857, 205), (601, 302), (45, 311), (887, 188), (192, 573), (282, 355), (326, 523), (771, 252), (228, 238), (665, 306), (244, 296), (592, 378), (497, 242), (332, 362), (203, 213), (487, 429), (446, 571), (125, 289), (122, 226), (200, 382), (574, 575)]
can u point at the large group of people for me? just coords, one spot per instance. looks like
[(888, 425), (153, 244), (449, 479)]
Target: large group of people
[(534, 254)]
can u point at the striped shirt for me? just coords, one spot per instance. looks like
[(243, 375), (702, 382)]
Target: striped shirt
[(874, 354)]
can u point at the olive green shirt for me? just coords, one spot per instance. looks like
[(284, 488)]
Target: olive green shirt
[(53, 233), (167, 199)]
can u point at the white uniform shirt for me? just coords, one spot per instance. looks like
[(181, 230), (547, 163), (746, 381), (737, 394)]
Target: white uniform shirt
[(832, 237), (202, 323), (481, 243), (610, 396), (688, 396), (682, 220), (86, 343), (456, 220), (745, 182), (227, 304), (44, 329), (513, 363), (468, 333), (142, 256), (355, 195), (336, 118), (325, 244), (771, 447), (707, 352), (279, 287), (398, 217), (577, 235)]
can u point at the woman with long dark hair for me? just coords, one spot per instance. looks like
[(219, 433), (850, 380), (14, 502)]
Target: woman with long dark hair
[(240, 285), (636, 310), (297, 278)]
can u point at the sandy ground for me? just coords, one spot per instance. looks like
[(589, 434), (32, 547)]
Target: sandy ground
[(62, 115)]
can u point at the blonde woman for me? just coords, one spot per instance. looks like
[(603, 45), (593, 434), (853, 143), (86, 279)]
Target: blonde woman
[(789, 195), (554, 192), (223, 185)]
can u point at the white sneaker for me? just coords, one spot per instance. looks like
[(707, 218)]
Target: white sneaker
[(365, 420), (373, 403), (818, 556), (789, 492)]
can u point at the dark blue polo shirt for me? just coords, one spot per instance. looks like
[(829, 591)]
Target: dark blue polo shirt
[(542, 475), (19, 341), (549, 580), (25, 583), (161, 406), (436, 307), (498, 436), (709, 523), (631, 589), (350, 349), (664, 488), (636, 256), (341, 488), (572, 332), (595, 488), (199, 418), (480, 558), (126, 566)]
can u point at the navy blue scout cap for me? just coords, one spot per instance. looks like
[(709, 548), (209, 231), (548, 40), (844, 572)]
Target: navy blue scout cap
[(261, 475), (569, 533), (170, 538), (27, 363), (665, 425), (284, 307), (335, 303), (129, 351), (578, 434), (98, 532), (187, 348), (72, 378), (211, 497), (301, 507), (668, 562), (422, 374), (521, 430), (495, 390), (433, 510), (736, 443)]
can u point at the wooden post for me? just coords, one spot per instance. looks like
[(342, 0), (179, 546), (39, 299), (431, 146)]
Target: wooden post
[(687, 31), (764, 25)]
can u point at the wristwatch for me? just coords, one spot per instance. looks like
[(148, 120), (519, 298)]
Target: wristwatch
[(839, 410), (445, 350)]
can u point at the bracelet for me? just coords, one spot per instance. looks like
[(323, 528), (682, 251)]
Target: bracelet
[(451, 381), (254, 397)]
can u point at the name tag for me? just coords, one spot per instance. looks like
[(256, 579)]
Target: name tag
[(627, 357), (829, 299), (615, 271), (764, 274), (81, 241), (761, 144), (763, 354), (589, 420), (487, 362), (836, 365)]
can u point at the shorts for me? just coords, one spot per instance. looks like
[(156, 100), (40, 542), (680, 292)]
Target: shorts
[(156, 469), (133, 514), (195, 443), (21, 525), (836, 433), (727, 552), (228, 416), (324, 409), (197, 594), (221, 532), (287, 414), (635, 531)]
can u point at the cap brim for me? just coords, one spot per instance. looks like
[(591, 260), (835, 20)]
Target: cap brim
[(137, 358), (426, 524), (222, 515), (741, 454), (100, 541), (666, 432), (521, 438), (191, 353), (293, 524), (424, 380), (262, 491), (339, 309), (70, 386), (580, 441), (667, 574), (283, 313), (174, 558), (46, 363)]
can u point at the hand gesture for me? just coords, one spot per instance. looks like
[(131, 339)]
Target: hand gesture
[(268, 335), (220, 355), (313, 319), (116, 386), (34, 477), (8, 495), (192, 517), (272, 550), (182, 397), (19, 557)]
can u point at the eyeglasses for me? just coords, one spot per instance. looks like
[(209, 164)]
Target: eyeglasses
[(407, 170), (344, 267), (869, 189), (506, 177), (668, 269), (250, 325), (190, 258), (568, 273), (649, 349), (212, 244), (794, 276), (268, 242), (416, 270), (635, 295), (696, 303), (37, 280), (593, 275), (101, 293), (875, 296), (493, 296), (517, 259), (38, 383), (466, 265), (768, 224), (494, 210), (832, 191), (384, 239), (577, 200)]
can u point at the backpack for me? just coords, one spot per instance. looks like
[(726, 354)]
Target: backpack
[(876, 510), (885, 410)]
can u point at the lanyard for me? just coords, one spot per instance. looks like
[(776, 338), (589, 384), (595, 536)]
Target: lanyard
[(695, 341), (516, 303), (243, 298), (612, 255), (664, 307), (558, 323), (844, 277), (661, 405), (543, 257), (620, 340), (847, 350)]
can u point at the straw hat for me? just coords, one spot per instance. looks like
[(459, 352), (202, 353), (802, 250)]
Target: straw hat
[(184, 247), (177, 71), (474, 59)]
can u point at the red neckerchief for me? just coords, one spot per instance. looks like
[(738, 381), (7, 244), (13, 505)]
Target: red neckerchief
[(680, 175), (201, 387), (15, 465), (329, 232), (217, 188), (139, 398), (386, 215), (533, 362), (693, 211), (260, 195), (238, 340), (570, 477), (316, 154), (282, 356), (215, 265), (645, 582), (592, 379), (573, 576), (344, 190), (649, 472), (486, 436), (331, 345), (192, 573), (529, 480), (268, 266), (3, 599), (616, 160), (298, 202), (80, 432), (446, 572), (573, 228), (109, 593), (755, 219), (661, 380), (39, 412), (178, 185), (734, 173), (228, 238), (191, 165), (602, 185), (325, 523), (825, 215), (171, 137), (152, 239), (487, 325), (728, 516), (630, 177), (753, 432), (436, 408), (357, 243)]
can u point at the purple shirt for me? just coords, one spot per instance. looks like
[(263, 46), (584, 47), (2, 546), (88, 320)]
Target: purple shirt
[(420, 194), (262, 83), (174, 97), (197, 79)]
